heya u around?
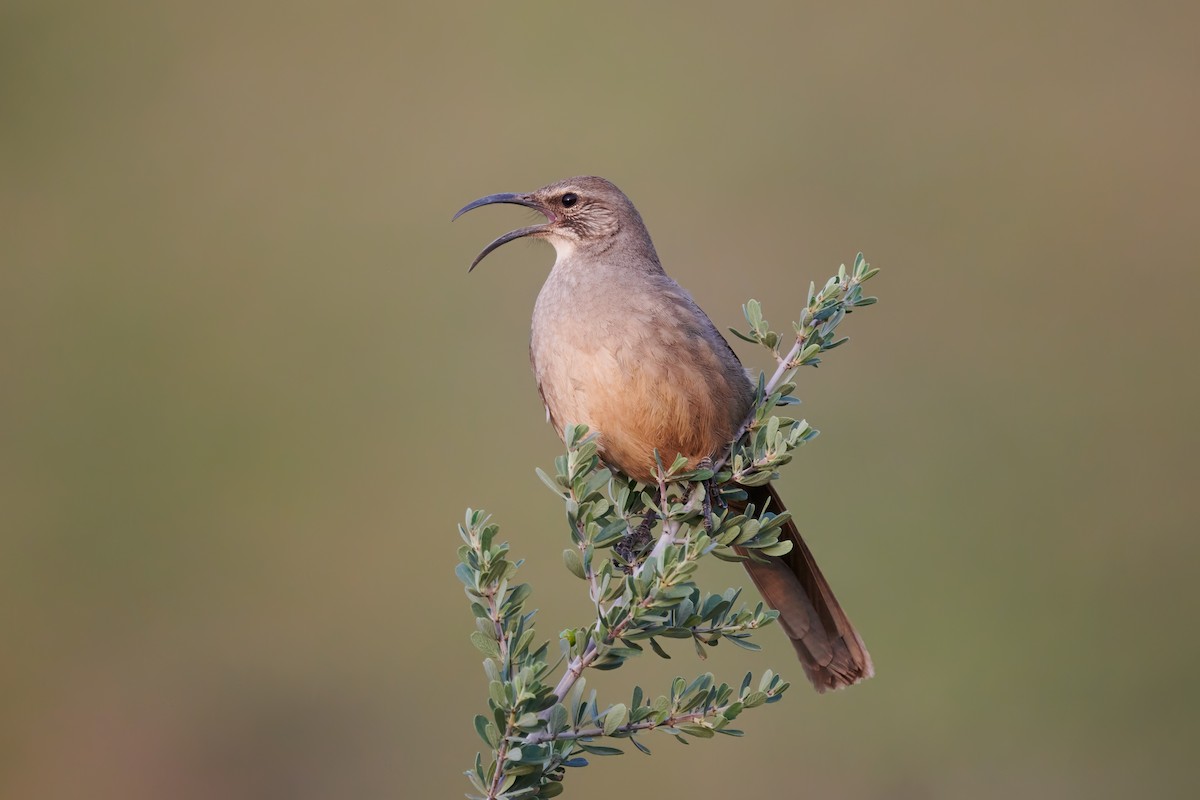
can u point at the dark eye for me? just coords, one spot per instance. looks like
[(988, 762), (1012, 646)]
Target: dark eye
[(569, 199)]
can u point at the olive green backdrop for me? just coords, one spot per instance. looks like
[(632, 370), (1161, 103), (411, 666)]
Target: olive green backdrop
[(247, 387)]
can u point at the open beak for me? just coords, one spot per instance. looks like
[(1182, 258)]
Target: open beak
[(516, 199)]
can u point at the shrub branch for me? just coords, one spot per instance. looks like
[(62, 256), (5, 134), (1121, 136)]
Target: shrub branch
[(642, 594)]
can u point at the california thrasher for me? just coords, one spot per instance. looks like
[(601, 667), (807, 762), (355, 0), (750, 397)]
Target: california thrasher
[(619, 346)]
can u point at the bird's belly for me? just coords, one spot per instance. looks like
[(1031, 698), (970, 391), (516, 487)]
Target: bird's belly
[(639, 395)]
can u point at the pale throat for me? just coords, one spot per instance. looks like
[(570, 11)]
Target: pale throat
[(564, 247)]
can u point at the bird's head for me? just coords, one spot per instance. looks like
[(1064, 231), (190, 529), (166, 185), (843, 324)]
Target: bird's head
[(584, 214)]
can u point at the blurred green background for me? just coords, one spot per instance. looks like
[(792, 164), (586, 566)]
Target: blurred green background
[(247, 387)]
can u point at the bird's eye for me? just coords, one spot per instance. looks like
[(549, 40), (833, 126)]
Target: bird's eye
[(569, 199)]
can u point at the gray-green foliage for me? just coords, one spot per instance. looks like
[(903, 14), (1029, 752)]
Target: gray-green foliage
[(640, 586)]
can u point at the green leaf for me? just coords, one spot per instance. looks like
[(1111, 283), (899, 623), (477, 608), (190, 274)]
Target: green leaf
[(558, 718), (550, 482), (518, 594), (573, 435), (753, 312), (498, 694), (617, 716), (745, 644), (743, 336), (699, 731), (487, 731), (574, 563), (599, 750), (485, 644), (533, 753), (466, 575), (777, 549)]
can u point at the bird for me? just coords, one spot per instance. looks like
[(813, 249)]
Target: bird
[(618, 345)]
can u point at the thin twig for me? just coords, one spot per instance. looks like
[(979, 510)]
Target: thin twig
[(784, 371), (502, 754)]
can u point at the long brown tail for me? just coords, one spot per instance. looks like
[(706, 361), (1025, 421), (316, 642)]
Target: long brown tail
[(830, 649)]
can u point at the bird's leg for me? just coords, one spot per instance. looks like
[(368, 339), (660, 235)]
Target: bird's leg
[(664, 501), (708, 487), (643, 530), (632, 546)]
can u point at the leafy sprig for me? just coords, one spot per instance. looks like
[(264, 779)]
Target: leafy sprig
[(641, 587)]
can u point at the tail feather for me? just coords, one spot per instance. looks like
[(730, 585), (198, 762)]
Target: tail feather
[(830, 649)]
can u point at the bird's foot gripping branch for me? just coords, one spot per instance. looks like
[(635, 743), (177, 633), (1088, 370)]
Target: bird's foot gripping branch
[(538, 726)]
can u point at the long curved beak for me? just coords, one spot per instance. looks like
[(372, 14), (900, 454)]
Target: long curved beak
[(516, 199)]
